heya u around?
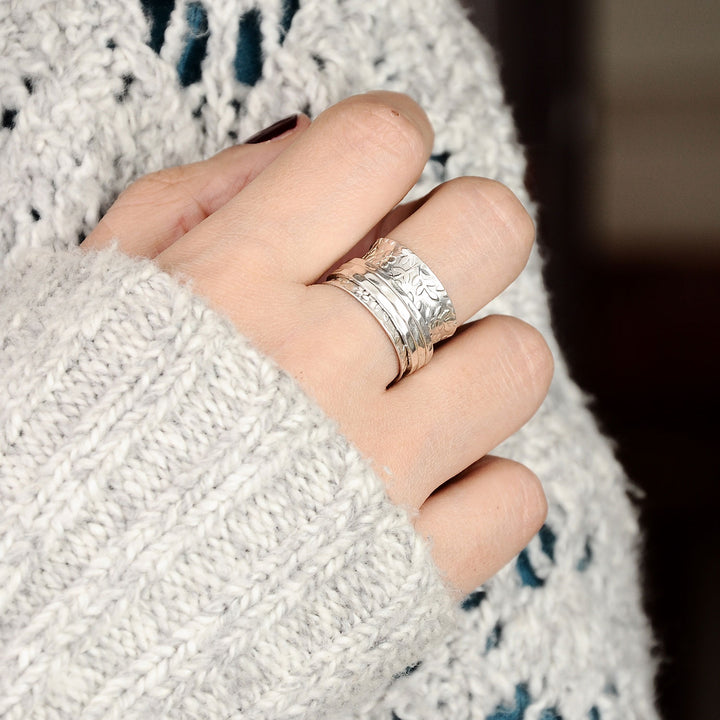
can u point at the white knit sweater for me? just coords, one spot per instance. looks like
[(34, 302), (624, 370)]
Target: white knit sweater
[(183, 533)]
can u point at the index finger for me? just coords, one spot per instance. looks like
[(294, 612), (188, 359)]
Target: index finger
[(355, 162)]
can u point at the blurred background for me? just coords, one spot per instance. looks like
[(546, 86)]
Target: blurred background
[(618, 105)]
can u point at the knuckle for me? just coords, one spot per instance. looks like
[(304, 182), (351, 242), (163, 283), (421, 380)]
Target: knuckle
[(150, 186), (530, 360), (168, 177), (482, 199), (509, 211), (373, 126), (464, 197), (533, 502), (170, 191)]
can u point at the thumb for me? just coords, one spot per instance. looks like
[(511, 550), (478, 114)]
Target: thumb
[(159, 208)]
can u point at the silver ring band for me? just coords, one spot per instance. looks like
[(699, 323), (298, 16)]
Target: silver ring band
[(406, 298)]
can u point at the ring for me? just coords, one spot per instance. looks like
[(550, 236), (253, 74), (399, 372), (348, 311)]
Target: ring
[(404, 296)]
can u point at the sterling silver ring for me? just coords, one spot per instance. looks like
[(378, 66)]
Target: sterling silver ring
[(406, 298)]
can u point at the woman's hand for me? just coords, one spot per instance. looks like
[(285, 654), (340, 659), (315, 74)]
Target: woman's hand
[(255, 227)]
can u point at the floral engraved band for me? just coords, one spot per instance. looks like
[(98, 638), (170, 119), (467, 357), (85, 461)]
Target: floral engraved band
[(406, 298)]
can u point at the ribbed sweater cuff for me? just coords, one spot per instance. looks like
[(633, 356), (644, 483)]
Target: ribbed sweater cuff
[(182, 530)]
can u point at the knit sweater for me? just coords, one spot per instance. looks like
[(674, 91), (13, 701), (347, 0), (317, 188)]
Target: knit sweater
[(183, 532)]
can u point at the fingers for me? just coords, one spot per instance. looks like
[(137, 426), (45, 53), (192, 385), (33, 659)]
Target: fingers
[(383, 228), (478, 522), (476, 237), (312, 197), (159, 208), (481, 387), (314, 203)]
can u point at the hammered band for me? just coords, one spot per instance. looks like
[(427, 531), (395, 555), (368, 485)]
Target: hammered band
[(406, 298)]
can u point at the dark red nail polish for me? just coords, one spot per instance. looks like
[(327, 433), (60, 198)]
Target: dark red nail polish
[(275, 130)]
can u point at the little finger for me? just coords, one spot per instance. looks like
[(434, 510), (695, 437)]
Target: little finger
[(480, 520)]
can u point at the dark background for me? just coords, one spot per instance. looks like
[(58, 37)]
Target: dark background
[(636, 311)]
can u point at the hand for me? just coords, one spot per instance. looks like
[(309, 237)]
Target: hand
[(255, 227)]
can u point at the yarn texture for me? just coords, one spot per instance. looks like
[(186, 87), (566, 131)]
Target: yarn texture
[(184, 534)]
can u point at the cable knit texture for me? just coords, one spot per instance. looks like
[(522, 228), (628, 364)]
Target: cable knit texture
[(181, 526), (183, 533)]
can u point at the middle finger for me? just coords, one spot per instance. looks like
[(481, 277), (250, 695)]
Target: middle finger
[(475, 236)]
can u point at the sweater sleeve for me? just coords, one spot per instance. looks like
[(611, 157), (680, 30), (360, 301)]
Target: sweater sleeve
[(183, 533)]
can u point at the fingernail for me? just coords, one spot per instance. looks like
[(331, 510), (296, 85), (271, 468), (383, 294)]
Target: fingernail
[(275, 130)]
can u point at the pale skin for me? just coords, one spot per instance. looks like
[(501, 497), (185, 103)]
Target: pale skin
[(257, 226)]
